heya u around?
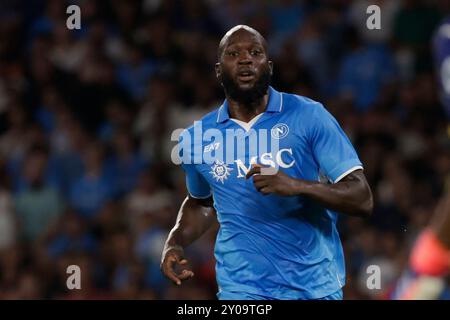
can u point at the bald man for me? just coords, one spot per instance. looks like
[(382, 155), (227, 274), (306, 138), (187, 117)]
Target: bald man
[(273, 170)]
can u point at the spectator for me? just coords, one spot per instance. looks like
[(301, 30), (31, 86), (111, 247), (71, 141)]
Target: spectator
[(8, 223), (364, 72), (71, 237), (39, 205), (134, 74), (126, 164), (95, 187)]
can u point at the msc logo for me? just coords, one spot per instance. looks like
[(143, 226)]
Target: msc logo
[(266, 159), (220, 171), (279, 131)]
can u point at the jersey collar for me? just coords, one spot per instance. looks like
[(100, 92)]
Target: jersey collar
[(275, 104)]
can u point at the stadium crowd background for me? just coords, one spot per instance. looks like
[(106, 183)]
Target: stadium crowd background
[(86, 118)]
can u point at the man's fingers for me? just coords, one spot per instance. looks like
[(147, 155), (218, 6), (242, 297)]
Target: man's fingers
[(256, 169), (260, 184), (259, 177), (169, 261), (171, 275), (265, 190), (168, 270), (183, 261), (259, 170), (185, 274)]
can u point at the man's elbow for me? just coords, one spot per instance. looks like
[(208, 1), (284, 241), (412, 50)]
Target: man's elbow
[(366, 206), (361, 203)]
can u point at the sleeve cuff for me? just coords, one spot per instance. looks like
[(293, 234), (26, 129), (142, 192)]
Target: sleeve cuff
[(199, 196), (344, 169)]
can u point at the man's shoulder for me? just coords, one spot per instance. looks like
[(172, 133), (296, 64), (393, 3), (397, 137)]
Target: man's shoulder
[(298, 103)]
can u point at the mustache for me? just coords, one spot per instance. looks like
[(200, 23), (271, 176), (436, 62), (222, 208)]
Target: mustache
[(245, 72), (246, 96)]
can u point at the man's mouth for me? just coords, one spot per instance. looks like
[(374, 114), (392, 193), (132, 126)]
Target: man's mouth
[(245, 76)]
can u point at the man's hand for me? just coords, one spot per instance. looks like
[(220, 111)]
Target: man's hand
[(173, 256), (350, 195), (278, 183)]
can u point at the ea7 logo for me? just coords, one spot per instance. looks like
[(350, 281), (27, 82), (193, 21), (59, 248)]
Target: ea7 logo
[(211, 147)]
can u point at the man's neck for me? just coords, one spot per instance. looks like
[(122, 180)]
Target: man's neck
[(246, 112)]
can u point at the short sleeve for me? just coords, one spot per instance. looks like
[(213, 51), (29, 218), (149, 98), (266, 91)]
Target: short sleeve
[(331, 147), (196, 184)]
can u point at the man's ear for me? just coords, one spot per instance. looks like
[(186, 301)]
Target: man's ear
[(218, 70), (271, 67)]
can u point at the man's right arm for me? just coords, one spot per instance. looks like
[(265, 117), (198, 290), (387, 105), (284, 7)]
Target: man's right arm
[(196, 216)]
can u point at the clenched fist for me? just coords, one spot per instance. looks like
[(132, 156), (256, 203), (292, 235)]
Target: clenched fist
[(267, 180)]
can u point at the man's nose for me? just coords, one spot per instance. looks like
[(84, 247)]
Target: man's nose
[(245, 58)]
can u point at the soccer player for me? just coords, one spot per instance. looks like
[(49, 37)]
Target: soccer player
[(429, 263), (277, 237)]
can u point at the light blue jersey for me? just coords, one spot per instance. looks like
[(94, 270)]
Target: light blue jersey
[(271, 246)]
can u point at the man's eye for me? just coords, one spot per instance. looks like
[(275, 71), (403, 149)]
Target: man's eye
[(255, 52), (232, 53)]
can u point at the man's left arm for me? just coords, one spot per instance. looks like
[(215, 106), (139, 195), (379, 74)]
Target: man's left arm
[(351, 195), (334, 154)]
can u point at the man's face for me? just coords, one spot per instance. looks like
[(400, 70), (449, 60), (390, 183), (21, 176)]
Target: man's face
[(244, 69)]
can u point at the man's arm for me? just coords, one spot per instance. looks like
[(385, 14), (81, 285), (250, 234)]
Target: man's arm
[(429, 259), (196, 216), (351, 195), (440, 222), (430, 255)]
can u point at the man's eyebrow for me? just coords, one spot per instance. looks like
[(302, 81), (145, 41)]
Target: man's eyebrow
[(253, 44)]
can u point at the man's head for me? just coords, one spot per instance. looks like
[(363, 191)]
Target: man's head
[(244, 69)]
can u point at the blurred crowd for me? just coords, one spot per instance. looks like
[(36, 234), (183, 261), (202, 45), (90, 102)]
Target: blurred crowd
[(86, 118)]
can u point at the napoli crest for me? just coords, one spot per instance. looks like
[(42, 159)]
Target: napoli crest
[(279, 131)]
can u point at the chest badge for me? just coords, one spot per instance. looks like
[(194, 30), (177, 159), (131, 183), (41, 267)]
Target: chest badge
[(220, 171), (279, 131)]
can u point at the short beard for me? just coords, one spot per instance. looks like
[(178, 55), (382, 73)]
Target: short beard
[(250, 97)]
